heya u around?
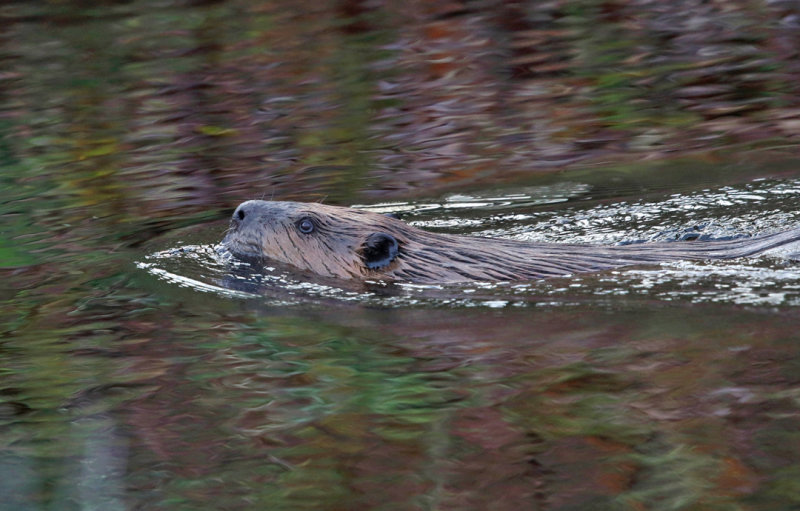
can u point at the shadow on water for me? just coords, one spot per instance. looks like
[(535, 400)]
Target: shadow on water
[(140, 369)]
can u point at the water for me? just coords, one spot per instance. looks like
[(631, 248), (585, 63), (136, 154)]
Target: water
[(566, 391), (142, 369), (526, 213)]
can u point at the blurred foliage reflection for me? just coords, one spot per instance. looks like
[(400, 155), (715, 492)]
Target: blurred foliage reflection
[(132, 126)]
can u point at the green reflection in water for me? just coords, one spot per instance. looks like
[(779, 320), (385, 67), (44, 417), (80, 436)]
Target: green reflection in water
[(124, 122)]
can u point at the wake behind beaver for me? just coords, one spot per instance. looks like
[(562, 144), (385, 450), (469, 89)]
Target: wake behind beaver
[(347, 243)]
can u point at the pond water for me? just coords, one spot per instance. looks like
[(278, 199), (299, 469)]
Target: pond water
[(142, 369), (531, 213), (168, 377)]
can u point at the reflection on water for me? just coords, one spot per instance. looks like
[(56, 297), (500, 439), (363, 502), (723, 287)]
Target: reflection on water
[(175, 378), (203, 258), (141, 369), (519, 197)]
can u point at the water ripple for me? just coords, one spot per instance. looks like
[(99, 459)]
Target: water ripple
[(527, 214)]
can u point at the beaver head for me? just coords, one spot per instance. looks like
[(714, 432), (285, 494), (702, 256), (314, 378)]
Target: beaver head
[(327, 240)]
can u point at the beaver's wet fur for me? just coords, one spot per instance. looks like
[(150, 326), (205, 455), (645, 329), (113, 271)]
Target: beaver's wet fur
[(349, 243)]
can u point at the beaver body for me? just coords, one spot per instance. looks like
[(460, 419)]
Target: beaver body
[(353, 244)]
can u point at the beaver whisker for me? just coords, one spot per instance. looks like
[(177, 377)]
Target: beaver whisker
[(358, 244)]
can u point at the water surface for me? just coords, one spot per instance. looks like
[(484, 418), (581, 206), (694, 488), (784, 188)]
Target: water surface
[(140, 370)]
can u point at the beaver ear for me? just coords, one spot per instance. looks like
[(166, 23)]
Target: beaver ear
[(379, 250)]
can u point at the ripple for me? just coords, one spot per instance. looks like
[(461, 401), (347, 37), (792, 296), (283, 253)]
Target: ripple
[(756, 207)]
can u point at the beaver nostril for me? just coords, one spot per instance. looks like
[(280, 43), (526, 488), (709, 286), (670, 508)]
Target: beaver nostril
[(239, 214)]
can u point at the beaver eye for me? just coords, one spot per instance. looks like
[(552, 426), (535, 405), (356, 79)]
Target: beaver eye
[(306, 225)]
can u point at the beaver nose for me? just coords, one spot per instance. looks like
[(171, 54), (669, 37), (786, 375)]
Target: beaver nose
[(246, 213), (242, 212)]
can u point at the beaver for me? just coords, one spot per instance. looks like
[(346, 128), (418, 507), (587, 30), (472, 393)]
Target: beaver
[(348, 243)]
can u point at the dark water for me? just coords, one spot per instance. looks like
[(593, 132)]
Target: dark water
[(141, 370)]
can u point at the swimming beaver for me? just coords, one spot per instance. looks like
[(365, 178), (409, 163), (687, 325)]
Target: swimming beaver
[(354, 244)]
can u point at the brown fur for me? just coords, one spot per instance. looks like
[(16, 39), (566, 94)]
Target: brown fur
[(336, 247)]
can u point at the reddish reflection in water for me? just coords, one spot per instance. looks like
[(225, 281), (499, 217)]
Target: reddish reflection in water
[(398, 408), (122, 122)]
